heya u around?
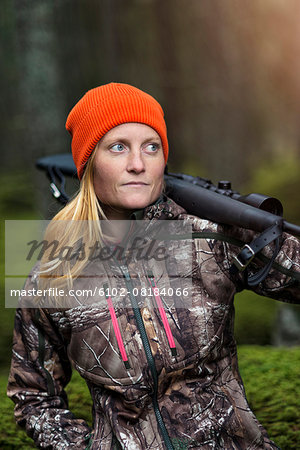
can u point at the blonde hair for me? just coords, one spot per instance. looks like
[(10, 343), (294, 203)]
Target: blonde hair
[(77, 226)]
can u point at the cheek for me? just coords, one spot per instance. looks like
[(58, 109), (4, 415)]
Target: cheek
[(102, 180), (158, 173), (97, 185)]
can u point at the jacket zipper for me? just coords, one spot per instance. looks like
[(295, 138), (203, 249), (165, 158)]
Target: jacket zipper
[(149, 356)]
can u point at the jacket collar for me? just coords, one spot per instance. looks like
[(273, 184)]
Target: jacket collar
[(164, 208)]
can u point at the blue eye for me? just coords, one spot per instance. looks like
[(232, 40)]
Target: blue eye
[(152, 147), (118, 147)]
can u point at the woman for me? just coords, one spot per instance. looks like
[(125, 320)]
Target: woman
[(162, 374)]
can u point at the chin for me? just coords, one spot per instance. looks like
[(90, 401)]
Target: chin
[(139, 203)]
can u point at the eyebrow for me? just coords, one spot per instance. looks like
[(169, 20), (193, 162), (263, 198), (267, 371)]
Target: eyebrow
[(124, 139)]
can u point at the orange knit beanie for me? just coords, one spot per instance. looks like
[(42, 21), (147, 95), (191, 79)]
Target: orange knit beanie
[(105, 107)]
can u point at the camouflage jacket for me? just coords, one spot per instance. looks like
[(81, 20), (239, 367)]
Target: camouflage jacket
[(162, 375)]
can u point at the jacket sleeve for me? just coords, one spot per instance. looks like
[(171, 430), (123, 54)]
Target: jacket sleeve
[(39, 372), (282, 282)]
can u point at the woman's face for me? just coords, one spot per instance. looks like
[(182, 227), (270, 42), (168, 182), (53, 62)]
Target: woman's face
[(128, 169)]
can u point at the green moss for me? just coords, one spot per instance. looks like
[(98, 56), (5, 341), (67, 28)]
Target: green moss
[(271, 378)]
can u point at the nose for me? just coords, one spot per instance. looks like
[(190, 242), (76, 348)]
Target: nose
[(135, 162)]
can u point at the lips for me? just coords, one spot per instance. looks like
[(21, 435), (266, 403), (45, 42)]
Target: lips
[(135, 183)]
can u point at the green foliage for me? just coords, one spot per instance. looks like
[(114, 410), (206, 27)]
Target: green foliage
[(279, 177), (254, 318), (190, 166), (15, 203), (271, 378), (16, 195)]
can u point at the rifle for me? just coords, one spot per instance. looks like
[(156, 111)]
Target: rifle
[(200, 197)]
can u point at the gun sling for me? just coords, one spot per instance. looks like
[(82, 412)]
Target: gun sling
[(249, 251)]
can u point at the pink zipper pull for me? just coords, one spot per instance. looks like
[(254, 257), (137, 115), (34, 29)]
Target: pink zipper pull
[(162, 314), (116, 326)]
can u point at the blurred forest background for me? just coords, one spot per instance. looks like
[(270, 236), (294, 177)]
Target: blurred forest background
[(227, 73)]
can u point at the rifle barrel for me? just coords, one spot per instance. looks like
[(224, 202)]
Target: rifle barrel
[(218, 208), (291, 228)]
